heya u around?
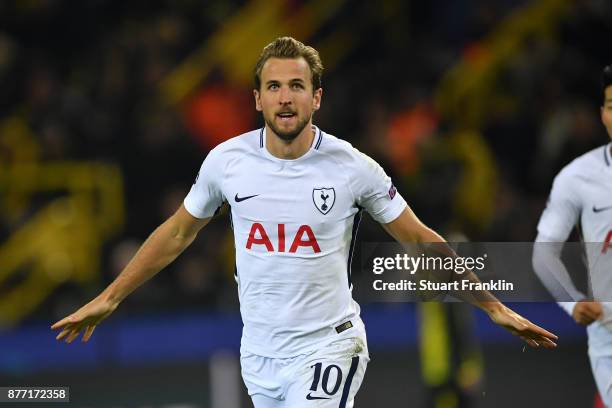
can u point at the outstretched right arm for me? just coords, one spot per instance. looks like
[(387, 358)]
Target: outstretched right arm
[(162, 247)]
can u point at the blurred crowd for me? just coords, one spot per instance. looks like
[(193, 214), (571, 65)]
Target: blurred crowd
[(85, 77)]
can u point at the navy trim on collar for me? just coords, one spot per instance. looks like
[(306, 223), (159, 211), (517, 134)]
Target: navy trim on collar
[(607, 153), (319, 140)]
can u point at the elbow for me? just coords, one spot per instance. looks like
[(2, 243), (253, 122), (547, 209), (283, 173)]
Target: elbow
[(179, 236)]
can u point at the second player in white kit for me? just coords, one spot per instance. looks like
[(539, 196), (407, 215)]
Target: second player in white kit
[(581, 197)]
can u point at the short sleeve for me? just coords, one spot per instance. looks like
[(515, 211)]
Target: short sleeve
[(562, 209), (205, 196), (375, 192)]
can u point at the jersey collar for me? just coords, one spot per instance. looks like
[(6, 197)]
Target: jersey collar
[(316, 143), (607, 156)]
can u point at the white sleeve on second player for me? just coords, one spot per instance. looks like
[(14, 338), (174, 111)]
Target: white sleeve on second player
[(205, 196), (562, 209), (549, 267), (375, 192), (558, 219)]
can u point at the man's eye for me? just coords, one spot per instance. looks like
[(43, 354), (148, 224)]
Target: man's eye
[(297, 86), (273, 87)]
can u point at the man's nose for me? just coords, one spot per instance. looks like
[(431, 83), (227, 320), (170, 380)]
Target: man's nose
[(284, 96)]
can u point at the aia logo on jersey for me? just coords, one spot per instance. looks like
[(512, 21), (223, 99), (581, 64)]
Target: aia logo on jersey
[(323, 199), (304, 237), (607, 243)]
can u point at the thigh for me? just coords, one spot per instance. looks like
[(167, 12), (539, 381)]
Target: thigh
[(261, 375), (602, 371), (330, 377), (264, 401)]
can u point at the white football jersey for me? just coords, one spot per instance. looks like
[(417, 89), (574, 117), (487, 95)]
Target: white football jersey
[(582, 196), (294, 224)]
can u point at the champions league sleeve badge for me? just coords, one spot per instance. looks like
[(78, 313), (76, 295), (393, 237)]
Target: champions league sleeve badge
[(392, 192), (323, 199)]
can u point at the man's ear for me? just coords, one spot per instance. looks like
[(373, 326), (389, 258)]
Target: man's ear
[(257, 100), (316, 99)]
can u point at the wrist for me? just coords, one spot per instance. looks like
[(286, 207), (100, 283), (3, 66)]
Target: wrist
[(111, 296), (492, 307)]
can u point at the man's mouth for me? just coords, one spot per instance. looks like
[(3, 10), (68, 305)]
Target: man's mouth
[(285, 116)]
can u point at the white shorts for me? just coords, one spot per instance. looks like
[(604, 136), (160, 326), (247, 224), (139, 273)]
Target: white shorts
[(602, 371), (329, 377)]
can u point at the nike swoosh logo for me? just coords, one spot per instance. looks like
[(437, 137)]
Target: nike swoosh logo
[(239, 199), (309, 397), (595, 209)]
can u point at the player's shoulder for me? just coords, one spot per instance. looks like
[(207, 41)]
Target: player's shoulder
[(246, 142), (342, 151), (586, 166)]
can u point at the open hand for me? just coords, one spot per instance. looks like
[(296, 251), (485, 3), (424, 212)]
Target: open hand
[(516, 324), (86, 318)]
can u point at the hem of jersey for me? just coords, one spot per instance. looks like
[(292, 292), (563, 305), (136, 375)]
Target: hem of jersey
[(193, 212), (597, 352), (312, 348), (391, 214), (595, 331)]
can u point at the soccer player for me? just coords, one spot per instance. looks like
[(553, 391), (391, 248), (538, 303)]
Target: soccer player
[(581, 196), (296, 194)]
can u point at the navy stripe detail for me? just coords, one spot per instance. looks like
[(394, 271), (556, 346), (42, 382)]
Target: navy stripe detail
[(606, 150), (232, 226), (349, 380), (319, 140), (356, 222), (261, 138)]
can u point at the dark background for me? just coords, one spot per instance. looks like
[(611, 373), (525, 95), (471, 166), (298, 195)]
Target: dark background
[(107, 109)]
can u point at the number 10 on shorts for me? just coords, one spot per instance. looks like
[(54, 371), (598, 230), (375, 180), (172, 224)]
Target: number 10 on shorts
[(329, 389)]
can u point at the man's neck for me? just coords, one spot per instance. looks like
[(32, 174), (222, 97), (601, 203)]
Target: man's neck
[(289, 150)]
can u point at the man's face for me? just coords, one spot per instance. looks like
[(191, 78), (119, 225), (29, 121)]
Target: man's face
[(606, 111), (286, 97)]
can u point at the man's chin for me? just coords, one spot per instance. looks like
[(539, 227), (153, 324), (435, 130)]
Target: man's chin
[(288, 135)]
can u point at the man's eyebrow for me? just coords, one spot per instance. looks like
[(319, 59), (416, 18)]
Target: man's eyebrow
[(291, 81)]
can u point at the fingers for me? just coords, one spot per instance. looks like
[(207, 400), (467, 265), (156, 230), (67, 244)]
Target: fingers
[(88, 333), (540, 342), (73, 335), (546, 343), (531, 342), (72, 332), (64, 322), (63, 334), (542, 332), (537, 336)]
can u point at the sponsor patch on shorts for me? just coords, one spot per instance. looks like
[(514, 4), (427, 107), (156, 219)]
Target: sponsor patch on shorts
[(344, 326)]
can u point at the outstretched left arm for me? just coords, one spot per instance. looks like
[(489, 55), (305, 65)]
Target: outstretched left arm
[(408, 228)]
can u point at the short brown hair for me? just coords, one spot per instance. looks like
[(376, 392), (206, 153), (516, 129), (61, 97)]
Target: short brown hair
[(290, 48)]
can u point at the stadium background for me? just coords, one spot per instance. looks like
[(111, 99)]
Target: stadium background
[(107, 109)]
